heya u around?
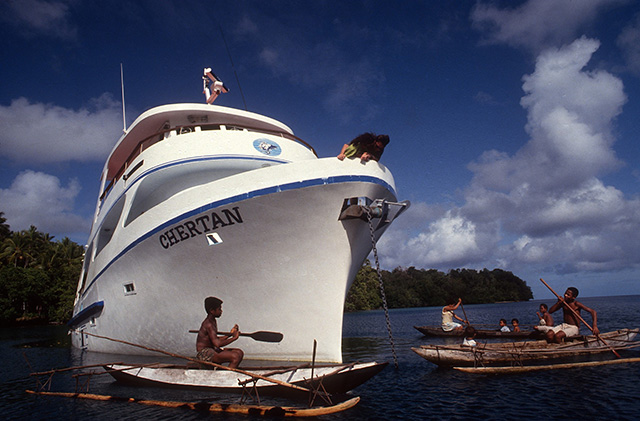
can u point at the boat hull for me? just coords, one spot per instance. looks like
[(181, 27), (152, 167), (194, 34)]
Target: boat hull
[(267, 242), (518, 352), (335, 379)]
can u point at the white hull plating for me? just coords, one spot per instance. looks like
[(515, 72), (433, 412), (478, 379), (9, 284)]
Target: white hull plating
[(262, 233)]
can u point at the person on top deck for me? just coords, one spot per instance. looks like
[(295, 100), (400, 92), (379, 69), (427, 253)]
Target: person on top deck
[(571, 324), (209, 345), (448, 315), (367, 146)]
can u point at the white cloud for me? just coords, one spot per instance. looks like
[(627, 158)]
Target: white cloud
[(36, 132), (39, 199), (40, 17), (536, 24), (545, 206)]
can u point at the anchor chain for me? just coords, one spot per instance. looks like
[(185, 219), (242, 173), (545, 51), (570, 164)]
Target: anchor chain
[(384, 297)]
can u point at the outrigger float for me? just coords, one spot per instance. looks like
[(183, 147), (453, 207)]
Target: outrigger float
[(265, 410), (529, 352)]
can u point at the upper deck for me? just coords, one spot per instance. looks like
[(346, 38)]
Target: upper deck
[(157, 123)]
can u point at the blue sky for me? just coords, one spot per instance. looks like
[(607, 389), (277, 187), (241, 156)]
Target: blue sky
[(513, 124)]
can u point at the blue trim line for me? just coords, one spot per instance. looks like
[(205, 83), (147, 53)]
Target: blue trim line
[(86, 313), (245, 196)]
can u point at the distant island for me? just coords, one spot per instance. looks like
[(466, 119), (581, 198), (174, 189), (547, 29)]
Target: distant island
[(413, 287), (39, 276)]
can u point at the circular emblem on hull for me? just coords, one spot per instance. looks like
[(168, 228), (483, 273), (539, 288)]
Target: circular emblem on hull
[(267, 147)]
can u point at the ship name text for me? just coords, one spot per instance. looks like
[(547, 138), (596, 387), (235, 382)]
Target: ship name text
[(199, 226)]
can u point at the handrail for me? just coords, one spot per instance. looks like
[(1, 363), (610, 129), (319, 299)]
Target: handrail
[(140, 147)]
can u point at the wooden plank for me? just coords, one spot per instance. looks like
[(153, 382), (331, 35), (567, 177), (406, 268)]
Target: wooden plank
[(284, 411), (527, 369)]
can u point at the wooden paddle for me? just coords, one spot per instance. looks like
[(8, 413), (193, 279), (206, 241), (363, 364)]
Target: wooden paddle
[(575, 313), (465, 314), (261, 335)]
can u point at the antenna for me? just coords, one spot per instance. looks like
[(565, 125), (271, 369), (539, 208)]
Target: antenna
[(124, 119)]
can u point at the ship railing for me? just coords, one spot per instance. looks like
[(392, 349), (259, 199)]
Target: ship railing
[(159, 136)]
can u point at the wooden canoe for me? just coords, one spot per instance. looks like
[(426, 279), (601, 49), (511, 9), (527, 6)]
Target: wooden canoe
[(531, 368), (277, 411), (336, 379), (480, 333), (493, 354)]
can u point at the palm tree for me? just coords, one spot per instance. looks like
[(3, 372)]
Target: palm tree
[(5, 231), (15, 250)]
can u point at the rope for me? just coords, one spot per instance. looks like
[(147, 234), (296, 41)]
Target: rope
[(384, 297)]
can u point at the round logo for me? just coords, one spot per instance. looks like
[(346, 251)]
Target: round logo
[(267, 147)]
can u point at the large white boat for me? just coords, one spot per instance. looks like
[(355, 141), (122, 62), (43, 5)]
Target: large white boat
[(199, 200)]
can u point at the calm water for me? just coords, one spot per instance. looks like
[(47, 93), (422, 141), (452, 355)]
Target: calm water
[(416, 390)]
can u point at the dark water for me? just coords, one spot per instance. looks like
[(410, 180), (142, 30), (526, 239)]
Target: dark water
[(416, 390)]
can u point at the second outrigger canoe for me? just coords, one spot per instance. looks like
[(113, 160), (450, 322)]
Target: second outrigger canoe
[(480, 333), (336, 379), (515, 353)]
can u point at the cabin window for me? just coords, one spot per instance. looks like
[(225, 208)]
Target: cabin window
[(109, 225), (129, 288), (214, 238)]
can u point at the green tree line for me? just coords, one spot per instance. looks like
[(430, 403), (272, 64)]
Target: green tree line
[(38, 276), (428, 287)]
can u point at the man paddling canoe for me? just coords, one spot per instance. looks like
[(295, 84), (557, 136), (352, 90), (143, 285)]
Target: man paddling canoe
[(571, 325), (209, 345)]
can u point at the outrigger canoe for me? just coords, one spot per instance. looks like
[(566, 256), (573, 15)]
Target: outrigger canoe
[(336, 379), (480, 333), (517, 353)]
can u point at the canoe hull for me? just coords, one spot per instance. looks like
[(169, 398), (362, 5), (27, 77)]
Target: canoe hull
[(336, 379), (436, 331), (527, 351)]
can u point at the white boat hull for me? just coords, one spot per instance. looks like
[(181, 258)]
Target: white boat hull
[(283, 262)]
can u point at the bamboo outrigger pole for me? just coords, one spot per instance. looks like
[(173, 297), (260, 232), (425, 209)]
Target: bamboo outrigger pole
[(575, 313), (224, 367)]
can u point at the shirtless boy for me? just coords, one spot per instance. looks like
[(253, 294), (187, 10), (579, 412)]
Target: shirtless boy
[(571, 325), (209, 345)]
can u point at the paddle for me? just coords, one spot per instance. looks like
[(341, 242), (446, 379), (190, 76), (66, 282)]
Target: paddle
[(575, 313), (465, 314), (261, 335)]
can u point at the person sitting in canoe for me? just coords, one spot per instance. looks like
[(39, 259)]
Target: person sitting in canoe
[(503, 326), (469, 336), (546, 320), (571, 325), (516, 325), (448, 315), (209, 345)]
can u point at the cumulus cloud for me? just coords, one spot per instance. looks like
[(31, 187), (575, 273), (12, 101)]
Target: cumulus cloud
[(44, 133), (40, 17), (36, 198), (536, 24), (545, 205)]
